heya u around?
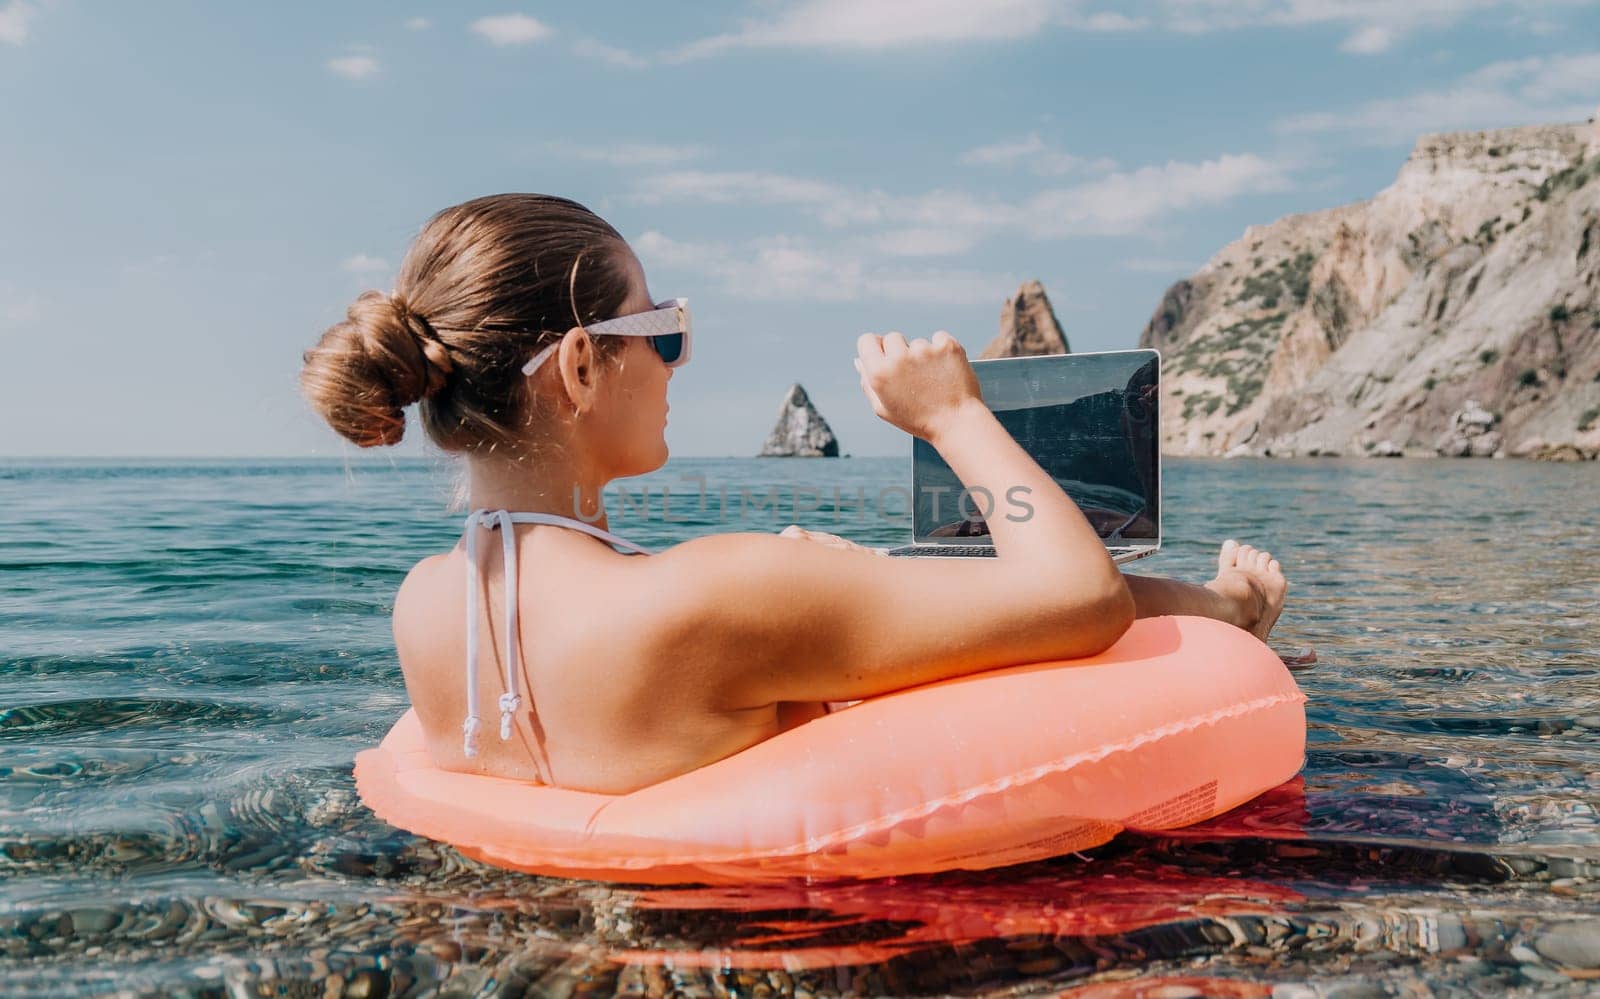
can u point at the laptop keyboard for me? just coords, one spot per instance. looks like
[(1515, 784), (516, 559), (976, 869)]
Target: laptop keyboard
[(983, 551)]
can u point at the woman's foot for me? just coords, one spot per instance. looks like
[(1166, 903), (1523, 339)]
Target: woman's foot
[(1253, 582)]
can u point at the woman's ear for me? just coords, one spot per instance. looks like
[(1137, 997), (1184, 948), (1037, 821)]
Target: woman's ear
[(575, 360)]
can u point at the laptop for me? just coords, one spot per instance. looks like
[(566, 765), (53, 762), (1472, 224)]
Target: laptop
[(1091, 421)]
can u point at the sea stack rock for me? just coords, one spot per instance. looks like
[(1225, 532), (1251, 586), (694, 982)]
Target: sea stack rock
[(1028, 326), (801, 432)]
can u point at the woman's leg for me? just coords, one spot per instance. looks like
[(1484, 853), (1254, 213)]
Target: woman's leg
[(1248, 591), (1155, 596)]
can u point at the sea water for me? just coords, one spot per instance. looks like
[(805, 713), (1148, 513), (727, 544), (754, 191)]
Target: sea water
[(192, 652)]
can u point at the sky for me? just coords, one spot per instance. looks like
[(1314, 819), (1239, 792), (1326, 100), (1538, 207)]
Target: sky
[(191, 192)]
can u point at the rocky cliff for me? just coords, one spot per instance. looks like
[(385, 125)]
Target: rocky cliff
[(800, 432), (1454, 313), (1028, 326)]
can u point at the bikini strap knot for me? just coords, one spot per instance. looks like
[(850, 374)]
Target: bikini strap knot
[(503, 520), (509, 703), (511, 700)]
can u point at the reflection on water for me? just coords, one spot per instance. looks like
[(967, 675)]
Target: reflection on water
[(193, 653), (1089, 420)]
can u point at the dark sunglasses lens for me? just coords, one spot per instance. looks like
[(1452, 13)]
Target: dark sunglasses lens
[(669, 346)]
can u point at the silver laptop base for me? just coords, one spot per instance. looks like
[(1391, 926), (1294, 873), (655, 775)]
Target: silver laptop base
[(1119, 554)]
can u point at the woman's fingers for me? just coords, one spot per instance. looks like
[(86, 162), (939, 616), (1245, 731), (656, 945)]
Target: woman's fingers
[(869, 354), (826, 540), (910, 382), (866, 388)]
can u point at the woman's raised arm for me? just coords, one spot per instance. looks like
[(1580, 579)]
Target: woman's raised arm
[(763, 619)]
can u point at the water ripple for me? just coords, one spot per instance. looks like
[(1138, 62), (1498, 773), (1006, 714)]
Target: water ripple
[(191, 654)]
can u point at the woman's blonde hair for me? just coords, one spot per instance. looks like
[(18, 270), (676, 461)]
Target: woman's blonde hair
[(485, 285)]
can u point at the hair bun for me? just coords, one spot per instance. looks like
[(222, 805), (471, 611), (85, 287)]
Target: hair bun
[(435, 352), (480, 286), (364, 371)]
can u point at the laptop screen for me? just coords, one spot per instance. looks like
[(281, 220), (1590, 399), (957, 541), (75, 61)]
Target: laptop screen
[(1091, 421)]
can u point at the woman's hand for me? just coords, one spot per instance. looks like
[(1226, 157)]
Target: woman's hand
[(827, 540), (917, 386)]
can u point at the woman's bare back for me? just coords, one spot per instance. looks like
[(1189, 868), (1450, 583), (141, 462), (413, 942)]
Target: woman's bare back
[(605, 707)]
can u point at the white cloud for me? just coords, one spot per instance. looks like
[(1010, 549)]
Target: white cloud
[(14, 19), (1215, 15), (1540, 26), (950, 209), (354, 67), (835, 205), (1005, 153), (611, 55), (1121, 203), (1372, 39), (1034, 153), (787, 268), (1514, 92), (1129, 203), (511, 29), (1374, 26), (418, 24), (885, 234), (923, 241), (1561, 77), (628, 154), (883, 24), (361, 263), (1109, 21), (1369, 26)]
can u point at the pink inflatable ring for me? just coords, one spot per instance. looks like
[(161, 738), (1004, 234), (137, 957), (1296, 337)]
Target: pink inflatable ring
[(1181, 720)]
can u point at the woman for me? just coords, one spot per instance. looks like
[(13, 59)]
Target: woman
[(613, 672)]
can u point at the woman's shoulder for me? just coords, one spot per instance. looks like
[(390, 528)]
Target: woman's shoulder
[(705, 566), (712, 550), (417, 601), (427, 575)]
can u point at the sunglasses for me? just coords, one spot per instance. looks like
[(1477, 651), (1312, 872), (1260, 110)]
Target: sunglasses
[(667, 326)]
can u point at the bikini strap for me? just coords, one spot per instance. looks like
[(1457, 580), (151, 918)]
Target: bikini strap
[(560, 521), (511, 700)]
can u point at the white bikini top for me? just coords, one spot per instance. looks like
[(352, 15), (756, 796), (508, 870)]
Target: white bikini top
[(511, 700)]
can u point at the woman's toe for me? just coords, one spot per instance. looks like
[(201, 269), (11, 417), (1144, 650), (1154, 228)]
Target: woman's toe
[(1225, 559)]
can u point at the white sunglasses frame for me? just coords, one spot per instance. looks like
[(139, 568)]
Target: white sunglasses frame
[(671, 316)]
